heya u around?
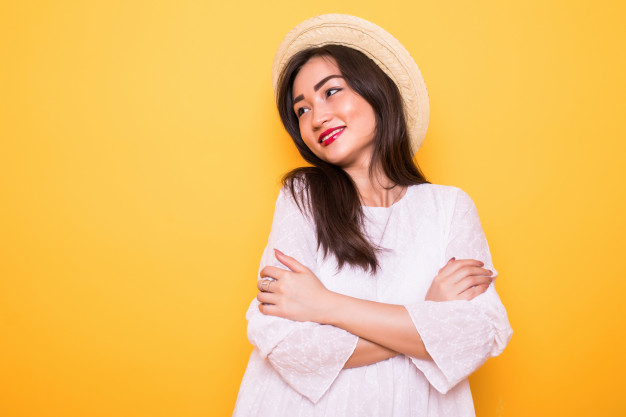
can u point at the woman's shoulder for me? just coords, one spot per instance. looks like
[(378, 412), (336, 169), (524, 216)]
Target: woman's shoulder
[(442, 194), (443, 200), (294, 191), (293, 202)]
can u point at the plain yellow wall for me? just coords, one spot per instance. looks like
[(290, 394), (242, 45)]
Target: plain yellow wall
[(140, 157)]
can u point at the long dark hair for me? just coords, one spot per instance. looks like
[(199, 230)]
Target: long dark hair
[(325, 190)]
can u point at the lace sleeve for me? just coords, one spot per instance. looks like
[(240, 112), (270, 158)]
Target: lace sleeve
[(308, 356), (461, 335)]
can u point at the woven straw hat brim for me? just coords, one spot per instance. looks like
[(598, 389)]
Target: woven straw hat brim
[(385, 50)]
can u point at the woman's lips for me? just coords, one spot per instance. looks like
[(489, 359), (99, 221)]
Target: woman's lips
[(330, 135)]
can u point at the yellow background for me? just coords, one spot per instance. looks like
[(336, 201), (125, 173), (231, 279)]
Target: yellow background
[(140, 157)]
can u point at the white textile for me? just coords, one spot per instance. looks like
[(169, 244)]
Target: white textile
[(296, 369)]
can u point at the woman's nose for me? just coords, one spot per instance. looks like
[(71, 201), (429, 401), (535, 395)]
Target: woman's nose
[(321, 116)]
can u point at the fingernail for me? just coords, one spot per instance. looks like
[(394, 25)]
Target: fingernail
[(452, 259), (277, 251), (490, 272)]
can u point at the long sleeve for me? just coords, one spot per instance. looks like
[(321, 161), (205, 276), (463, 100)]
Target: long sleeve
[(461, 335), (308, 356)]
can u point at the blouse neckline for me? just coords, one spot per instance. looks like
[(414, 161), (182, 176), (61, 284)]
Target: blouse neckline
[(397, 203)]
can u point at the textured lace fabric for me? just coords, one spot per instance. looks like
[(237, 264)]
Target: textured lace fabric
[(296, 368)]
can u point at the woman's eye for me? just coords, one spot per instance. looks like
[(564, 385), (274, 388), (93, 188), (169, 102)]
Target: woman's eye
[(301, 111), (332, 91)]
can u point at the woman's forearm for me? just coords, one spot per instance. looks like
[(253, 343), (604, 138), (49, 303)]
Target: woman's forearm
[(367, 353), (388, 325), (297, 294)]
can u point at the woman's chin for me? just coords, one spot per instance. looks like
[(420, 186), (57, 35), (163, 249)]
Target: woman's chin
[(337, 160)]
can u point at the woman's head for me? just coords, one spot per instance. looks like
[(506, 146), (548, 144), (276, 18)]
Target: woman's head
[(363, 82)]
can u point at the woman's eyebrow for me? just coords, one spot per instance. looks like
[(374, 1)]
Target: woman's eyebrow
[(321, 83), (316, 87)]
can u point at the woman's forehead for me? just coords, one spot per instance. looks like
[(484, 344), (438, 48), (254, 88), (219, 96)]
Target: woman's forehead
[(313, 71)]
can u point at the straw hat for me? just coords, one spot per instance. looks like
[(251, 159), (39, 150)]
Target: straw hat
[(385, 50)]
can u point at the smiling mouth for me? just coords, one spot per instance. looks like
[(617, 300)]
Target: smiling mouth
[(330, 135)]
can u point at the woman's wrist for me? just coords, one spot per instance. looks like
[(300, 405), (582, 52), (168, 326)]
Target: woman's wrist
[(330, 307)]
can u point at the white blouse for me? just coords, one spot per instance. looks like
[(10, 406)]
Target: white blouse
[(296, 368)]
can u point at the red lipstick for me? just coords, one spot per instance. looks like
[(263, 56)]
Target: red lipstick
[(330, 135)]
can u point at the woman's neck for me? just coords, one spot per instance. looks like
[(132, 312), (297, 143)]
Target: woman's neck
[(376, 190)]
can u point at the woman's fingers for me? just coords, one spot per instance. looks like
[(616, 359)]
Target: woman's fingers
[(273, 272), (296, 293), (472, 292), (454, 265), (290, 262), (267, 297), (447, 263), (266, 285), (462, 263), (473, 281), (457, 277), (269, 309), (470, 271)]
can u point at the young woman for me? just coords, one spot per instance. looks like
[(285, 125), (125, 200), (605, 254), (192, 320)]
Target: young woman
[(376, 290)]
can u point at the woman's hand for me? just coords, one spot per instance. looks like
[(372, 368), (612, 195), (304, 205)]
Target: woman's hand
[(296, 294), (461, 279)]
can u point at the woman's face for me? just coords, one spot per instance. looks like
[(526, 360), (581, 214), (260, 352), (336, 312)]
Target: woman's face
[(336, 123)]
